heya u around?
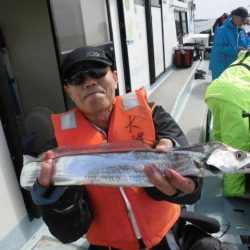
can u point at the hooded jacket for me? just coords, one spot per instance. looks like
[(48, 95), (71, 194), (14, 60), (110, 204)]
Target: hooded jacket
[(233, 87), (228, 39)]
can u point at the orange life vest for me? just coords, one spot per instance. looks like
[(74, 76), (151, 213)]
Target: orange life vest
[(111, 225)]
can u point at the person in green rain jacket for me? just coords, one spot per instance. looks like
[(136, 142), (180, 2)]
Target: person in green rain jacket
[(227, 97)]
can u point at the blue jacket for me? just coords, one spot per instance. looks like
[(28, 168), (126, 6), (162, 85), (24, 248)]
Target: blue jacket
[(228, 39)]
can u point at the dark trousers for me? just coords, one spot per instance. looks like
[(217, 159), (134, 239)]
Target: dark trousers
[(163, 245), (189, 237)]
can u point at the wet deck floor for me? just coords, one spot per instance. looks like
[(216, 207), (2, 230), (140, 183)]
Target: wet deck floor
[(232, 213)]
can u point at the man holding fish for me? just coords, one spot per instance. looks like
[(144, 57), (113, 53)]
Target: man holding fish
[(126, 218)]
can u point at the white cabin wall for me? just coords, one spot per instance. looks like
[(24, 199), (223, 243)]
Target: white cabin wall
[(139, 71), (12, 207), (137, 45), (170, 38)]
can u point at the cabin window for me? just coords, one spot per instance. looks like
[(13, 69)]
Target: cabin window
[(157, 30), (156, 3), (184, 23), (178, 26), (141, 29), (80, 23), (181, 24)]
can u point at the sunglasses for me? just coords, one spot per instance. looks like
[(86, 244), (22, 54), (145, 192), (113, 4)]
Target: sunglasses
[(79, 77)]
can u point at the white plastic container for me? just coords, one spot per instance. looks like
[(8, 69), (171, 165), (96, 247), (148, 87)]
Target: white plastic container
[(202, 39)]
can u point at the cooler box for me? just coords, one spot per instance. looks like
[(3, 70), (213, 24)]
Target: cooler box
[(184, 57), (202, 39)]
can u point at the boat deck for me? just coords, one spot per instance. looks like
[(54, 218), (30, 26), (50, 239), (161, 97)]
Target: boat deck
[(232, 213)]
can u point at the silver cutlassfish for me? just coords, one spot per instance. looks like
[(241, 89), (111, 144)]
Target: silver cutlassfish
[(122, 164)]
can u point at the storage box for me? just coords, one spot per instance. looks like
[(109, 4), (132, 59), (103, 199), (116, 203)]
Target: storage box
[(184, 57), (202, 39)]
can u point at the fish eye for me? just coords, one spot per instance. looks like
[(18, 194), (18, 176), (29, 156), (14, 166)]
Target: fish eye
[(240, 155)]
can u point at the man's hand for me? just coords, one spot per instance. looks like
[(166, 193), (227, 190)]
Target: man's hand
[(241, 48), (164, 145), (47, 169), (171, 182)]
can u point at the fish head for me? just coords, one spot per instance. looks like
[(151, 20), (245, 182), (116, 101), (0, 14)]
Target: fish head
[(229, 160)]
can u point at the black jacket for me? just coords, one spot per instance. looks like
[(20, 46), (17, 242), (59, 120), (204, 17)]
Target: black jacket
[(70, 217)]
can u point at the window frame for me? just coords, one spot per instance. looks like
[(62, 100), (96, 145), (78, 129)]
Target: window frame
[(183, 21), (61, 54)]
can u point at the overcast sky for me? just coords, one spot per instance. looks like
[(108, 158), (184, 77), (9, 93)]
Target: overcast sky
[(215, 8)]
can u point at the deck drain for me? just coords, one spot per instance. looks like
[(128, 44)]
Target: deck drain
[(245, 239)]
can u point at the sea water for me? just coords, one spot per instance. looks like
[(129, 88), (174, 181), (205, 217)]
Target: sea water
[(206, 24)]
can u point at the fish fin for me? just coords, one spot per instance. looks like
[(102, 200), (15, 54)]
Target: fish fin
[(115, 147), (205, 148)]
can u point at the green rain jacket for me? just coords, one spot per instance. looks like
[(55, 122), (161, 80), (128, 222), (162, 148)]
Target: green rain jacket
[(232, 87)]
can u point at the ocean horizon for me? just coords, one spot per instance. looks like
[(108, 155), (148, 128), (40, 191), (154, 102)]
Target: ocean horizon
[(203, 24), (206, 24)]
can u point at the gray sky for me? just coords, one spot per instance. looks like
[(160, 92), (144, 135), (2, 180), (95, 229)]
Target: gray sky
[(215, 8)]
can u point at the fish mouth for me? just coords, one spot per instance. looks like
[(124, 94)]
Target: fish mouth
[(246, 168)]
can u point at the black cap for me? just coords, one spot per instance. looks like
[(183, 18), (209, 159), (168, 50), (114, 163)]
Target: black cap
[(241, 11), (84, 54)]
